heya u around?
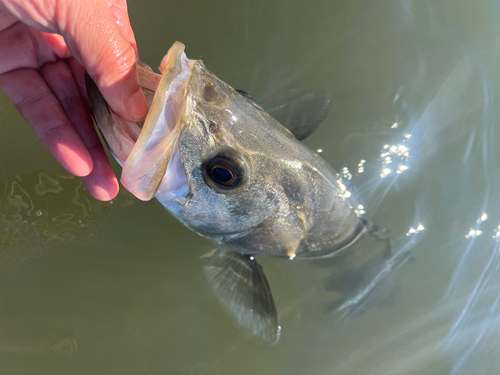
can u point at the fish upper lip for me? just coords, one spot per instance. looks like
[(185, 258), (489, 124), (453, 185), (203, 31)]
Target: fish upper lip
[(151, 157)]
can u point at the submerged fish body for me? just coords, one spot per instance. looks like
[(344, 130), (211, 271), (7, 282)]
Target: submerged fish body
[(232, 173)]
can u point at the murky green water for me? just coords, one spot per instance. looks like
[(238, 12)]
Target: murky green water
[(116, 288)]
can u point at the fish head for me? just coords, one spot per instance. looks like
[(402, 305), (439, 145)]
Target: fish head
[(237, 186)]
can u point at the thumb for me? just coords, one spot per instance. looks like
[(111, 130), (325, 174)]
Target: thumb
[(94, 38)]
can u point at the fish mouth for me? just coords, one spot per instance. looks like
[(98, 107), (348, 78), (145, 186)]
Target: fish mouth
[(154, 165)]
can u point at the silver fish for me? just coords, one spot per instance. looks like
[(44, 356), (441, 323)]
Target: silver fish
[(232, 173)]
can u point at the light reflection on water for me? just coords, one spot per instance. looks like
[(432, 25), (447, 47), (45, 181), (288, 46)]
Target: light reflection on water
[(104, 289)]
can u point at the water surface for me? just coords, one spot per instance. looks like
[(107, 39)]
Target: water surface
[(88, 287)]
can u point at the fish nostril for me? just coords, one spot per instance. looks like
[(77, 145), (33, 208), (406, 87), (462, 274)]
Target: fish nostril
[(212, 128)]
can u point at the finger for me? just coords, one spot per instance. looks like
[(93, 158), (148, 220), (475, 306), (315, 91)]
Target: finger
[(101, 162), (101, 182), (96, 40), (22, 47), (34, 100), (6, 20), (120, 13)]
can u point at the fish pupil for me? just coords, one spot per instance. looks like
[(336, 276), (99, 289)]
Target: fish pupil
[(225, 171), (222, 175)]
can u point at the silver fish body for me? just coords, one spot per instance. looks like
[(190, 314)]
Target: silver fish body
[(290, 200), (232, 173)]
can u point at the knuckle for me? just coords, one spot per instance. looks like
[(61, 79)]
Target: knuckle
[(32, 99), (17, 49)]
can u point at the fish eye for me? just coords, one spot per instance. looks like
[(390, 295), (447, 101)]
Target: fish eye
[(225, 171)]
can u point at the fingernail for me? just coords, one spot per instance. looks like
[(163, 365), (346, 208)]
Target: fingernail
[(137, 107)]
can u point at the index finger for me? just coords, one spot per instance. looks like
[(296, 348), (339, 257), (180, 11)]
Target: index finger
[(119, 12), (93, 36)]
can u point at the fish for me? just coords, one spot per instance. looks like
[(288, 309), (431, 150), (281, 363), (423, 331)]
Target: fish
[(232, 173)]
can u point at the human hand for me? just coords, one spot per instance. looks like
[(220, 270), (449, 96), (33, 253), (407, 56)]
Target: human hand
[(45, 48)]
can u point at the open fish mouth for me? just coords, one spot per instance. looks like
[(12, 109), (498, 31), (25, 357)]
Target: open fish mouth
[(150, 156)]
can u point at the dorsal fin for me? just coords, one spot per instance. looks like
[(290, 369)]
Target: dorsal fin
[(300, 113), (250, 98)]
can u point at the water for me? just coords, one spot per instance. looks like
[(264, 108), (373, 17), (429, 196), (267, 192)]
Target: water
[(116, 288)]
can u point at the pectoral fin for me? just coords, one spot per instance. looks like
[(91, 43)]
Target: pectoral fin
[(301, 114), (240, 285)]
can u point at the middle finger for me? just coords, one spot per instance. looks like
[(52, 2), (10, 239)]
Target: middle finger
[(101, 182)]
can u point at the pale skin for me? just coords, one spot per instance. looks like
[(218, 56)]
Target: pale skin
[(45, 48)]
